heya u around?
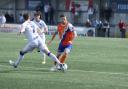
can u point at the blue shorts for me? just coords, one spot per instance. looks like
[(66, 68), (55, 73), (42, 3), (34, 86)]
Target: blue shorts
[(62, 48)]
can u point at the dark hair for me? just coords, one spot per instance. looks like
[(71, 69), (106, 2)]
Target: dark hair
[(38, 13), (26, 16), (62, 15)]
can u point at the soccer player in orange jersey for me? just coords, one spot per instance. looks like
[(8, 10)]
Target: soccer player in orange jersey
[(66, 34)]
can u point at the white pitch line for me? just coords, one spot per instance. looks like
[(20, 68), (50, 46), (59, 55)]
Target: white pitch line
[(25, 39), (100, 72), (110, 73)]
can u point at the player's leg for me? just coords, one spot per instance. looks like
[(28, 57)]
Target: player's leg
[(25, 50), (44, 59), (58, 56), (45, 49), (55, 67), (51, 55), (44, 56), (64, 56), (15, 64), (59, 53), (66, 50)]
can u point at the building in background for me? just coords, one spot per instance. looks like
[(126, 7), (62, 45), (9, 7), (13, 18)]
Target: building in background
[(17, 7), (112, 10)]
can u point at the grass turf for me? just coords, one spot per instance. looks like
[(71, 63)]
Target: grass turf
[(94, 63)]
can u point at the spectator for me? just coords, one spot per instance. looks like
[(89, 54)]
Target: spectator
[(11, 18), (51, 13), (106, 28), (38, 7), (21, 19), (94, 23), (90, 13), (122, 27), (2, 20), (75, 9), (46, 11), (88, 23), (99, 28), (7, 16)]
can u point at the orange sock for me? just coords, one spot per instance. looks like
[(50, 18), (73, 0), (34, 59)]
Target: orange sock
[(63, 58)]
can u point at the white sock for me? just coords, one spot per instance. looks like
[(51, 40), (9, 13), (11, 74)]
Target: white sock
[(43, 54), (44, 57), (54, 58), (19, 59)]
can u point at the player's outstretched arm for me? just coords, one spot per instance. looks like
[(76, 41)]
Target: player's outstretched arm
[(21, 31), (54, 35), (45, 29), (75, 34)]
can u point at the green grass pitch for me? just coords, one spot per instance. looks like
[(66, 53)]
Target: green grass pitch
[(94, 63)]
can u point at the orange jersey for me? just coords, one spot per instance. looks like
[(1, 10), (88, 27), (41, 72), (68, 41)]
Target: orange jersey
[(60, 29), (68, 35)]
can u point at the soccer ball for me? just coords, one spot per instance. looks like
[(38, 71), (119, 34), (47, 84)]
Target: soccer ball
[(57, 67), (65, 66)]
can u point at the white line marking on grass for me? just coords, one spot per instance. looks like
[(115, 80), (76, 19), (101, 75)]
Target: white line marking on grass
[(110, 73), (100, 72), (25, 39)]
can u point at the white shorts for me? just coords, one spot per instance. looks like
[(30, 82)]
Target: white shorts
[(36, 43), (43, 37)]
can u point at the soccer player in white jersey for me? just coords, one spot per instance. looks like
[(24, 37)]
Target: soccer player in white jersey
[(41, 24), (2, 20), (30, 29)]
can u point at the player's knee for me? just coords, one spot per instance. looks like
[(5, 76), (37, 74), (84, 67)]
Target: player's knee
[(49, 53), (22, 53), (67, 51)]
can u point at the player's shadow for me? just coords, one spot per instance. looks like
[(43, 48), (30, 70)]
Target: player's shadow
[(6, 71), (6, 68), (3, 62), (35, 70), (25, 70)]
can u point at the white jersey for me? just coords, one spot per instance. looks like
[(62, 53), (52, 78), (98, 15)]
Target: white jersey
[(29, 28), (2, 19), (46, 8), (41, 24)]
